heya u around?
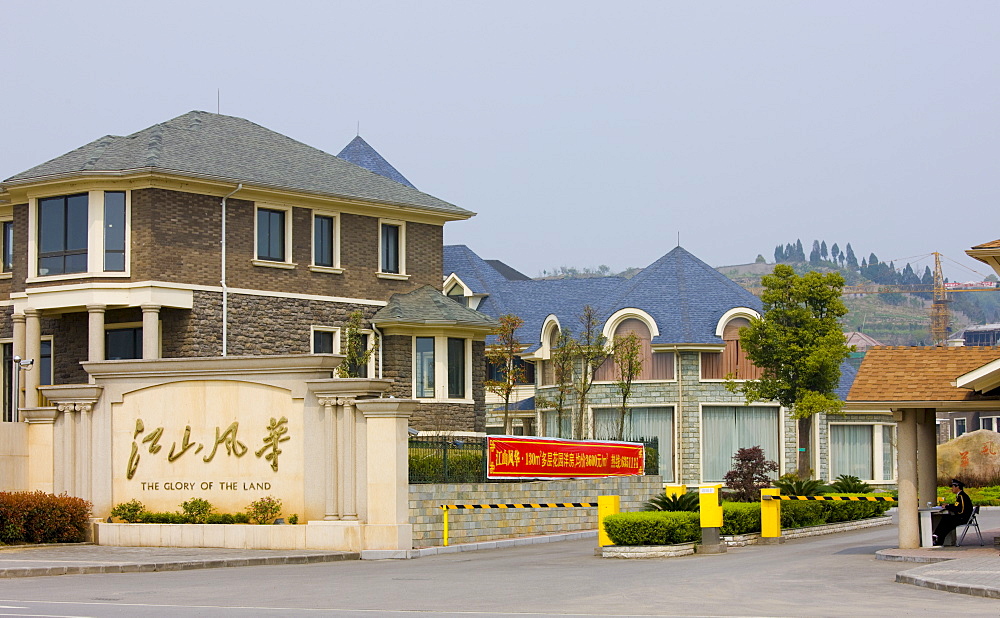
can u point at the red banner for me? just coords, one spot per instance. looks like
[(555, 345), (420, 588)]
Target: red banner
[(551, 458)]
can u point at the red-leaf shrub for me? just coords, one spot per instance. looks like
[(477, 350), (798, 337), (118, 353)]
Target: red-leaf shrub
[(38, 517)]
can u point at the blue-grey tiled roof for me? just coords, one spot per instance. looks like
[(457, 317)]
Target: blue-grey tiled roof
[(206, 145), (847, 375), (685, 296), (360, 153), (524, 405)]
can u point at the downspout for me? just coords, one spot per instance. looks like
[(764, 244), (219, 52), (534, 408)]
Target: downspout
[(379, 351), (225, 290)]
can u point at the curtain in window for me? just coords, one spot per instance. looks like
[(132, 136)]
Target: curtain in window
[(551, 429), (726, 429), (851, 451), (642, 424), (888, 453)]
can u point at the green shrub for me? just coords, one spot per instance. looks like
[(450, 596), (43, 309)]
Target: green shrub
[(128, 512), (653, 528), (197, 510), (293, 519), (853, 511), (264, 510), (38, 517), (802, 514), (652, 460), (740, 518), (462, 467), (162, 518), (241, 518), (847, 484), (675, 502), (219, 518)]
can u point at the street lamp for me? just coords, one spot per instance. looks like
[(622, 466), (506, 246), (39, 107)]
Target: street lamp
[(19, 364)]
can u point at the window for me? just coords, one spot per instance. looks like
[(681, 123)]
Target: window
[(442, 368), (122, 343), (8, 383), (642, 425), (114, 231), (270, 235), (323, 341), (456, 368), (392, 256), (989, 422), (731, 361), (62, 234), (424, 367), (726, 429), (655, 365), (959, 426), (357, 370), (8, 246), (45, 363), (457, 294), (864, 451), (324, 240), (496, 372)]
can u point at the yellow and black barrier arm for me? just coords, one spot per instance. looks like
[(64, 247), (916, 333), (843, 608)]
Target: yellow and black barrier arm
[(542, 505), (836, 498)]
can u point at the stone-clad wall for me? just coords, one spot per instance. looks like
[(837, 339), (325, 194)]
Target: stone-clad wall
[(490, 524)]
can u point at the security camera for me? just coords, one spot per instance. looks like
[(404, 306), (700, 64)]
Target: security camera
[(412, 431), (26, 363)]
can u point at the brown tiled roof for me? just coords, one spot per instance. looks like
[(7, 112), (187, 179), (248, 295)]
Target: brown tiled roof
[(890, 374), (989, 245)]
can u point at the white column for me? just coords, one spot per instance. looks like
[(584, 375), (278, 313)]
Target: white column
[(150, 331), (345, 458), (330, 451), (95, 330), (32, 350), (387, 486), (66, 460), (906, 458), (19, 333), (926, 456)]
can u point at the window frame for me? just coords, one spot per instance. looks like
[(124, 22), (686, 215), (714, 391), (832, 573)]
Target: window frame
[(335, 341), (401, 273), (878, 439), (7, 247), (65, 252), (95, 237), (780, 456), (335, 266), (286, 262), (954, 426), (441, 388)]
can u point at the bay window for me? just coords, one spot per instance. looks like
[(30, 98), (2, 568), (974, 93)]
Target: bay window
[(62, 234), (442, 368)]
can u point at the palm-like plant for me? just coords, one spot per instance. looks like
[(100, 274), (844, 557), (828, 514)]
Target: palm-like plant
[(848, 484), (791, 485), (673, 502)]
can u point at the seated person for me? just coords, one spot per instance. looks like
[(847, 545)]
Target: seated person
[(957, 513)]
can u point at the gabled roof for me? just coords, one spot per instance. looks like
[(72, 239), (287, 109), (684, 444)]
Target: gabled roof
[(360, 153), (213, 146), (684, 295), (427, 306), (905, 375), (993, 244)]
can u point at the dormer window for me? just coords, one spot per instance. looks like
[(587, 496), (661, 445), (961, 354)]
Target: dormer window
[(457, 294)]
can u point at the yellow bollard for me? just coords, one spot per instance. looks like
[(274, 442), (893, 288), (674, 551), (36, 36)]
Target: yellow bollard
[(445, 509), (770, 515), (710, 502), (675, 490), (606, 505)]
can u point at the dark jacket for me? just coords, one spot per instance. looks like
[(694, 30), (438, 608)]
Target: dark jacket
[(962, 507)]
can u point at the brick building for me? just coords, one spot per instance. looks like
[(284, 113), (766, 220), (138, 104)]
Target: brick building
[(211, 236)]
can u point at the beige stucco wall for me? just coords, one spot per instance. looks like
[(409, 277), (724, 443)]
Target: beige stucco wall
[(13, 457)]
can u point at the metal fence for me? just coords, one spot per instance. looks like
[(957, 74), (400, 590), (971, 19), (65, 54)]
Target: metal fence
[(447, 459)]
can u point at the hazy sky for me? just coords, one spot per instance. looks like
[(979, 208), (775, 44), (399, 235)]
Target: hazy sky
[(582, 133)]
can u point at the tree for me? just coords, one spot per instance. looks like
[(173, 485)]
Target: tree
[(760, 259), (800, 254), (356, 354), (815, 253), (799, 347), (561, 358), (749, 474), (822, 250), (503, 354), (627, 354), (835, 252), (852, 260), (779, 254), (589, 354)]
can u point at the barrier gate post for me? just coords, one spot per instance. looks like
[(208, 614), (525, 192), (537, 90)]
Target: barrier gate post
[(710, 502), (770, 517), (606, 505)]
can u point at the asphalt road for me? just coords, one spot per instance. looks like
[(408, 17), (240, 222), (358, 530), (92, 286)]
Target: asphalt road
[(835, 575)]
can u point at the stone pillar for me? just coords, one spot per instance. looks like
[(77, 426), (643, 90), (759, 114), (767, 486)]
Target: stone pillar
[(32, 350), (330, 450), (41, 448), (95, 345), (66, 459), (906, 458), (346, 485), (387, 474), (19, 333), (150, 331), (926, 456)]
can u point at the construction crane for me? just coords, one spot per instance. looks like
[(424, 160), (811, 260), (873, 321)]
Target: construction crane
[(940, 313)]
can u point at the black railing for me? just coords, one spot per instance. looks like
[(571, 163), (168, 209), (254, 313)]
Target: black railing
[(448, 459)]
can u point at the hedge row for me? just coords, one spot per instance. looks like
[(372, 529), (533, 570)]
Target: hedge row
[(669, 528), (38, 517)]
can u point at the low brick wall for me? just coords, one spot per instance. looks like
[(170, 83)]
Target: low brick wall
[(473, 526)]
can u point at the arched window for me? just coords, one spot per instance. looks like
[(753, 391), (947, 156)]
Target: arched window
[(655, 366), (733, 360)]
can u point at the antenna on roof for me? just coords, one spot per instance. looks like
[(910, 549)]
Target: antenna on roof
[(359, 128), (218, 100), (678, 239)]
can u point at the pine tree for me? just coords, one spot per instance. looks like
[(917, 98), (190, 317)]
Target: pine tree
[(852, 260), (779, 254), (835, 252), (800, 253), (822, 250), (927, 278)]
